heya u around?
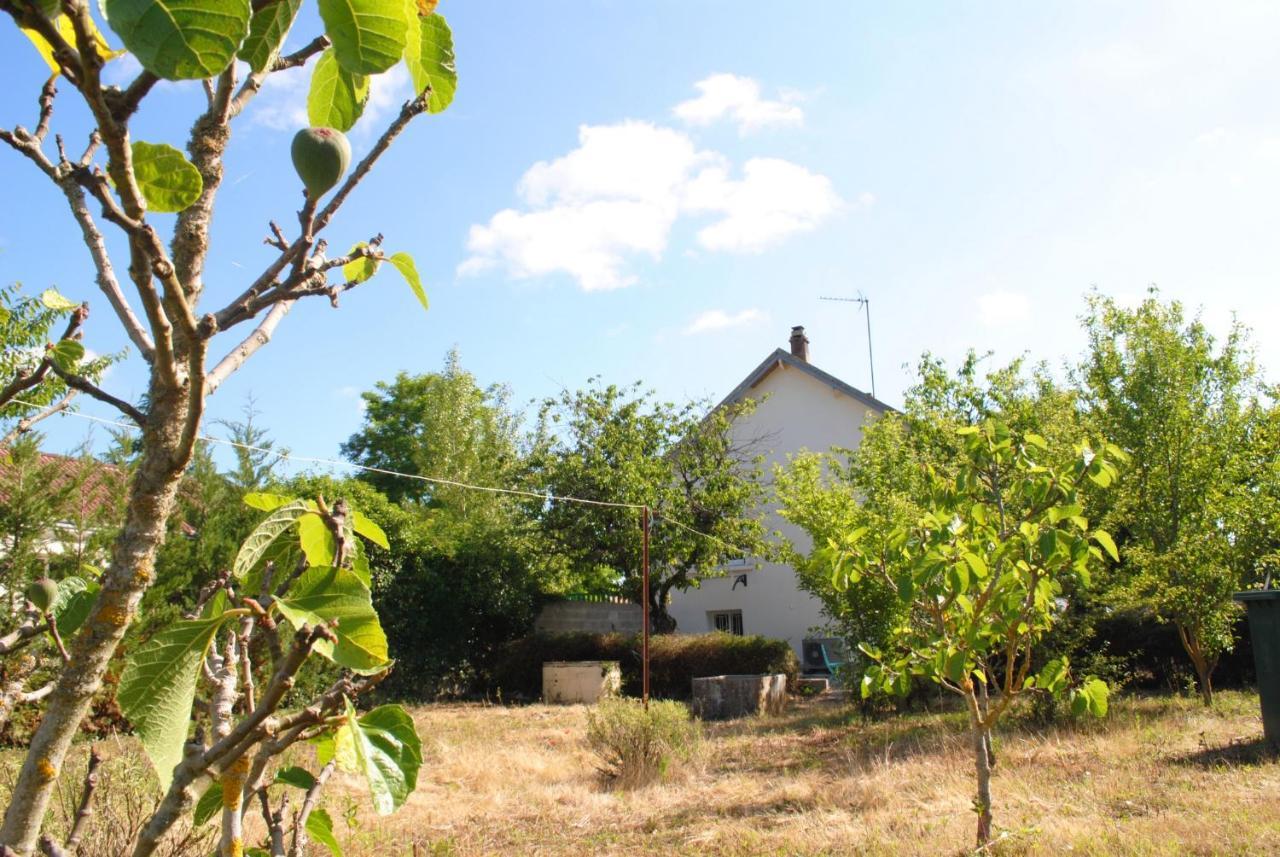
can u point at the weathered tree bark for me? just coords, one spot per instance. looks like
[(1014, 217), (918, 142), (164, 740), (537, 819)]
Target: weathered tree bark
[(151, 497), (660, 619), (1204, 665), (982, 764)]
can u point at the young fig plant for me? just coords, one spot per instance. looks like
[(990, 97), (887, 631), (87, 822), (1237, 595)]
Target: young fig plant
[(981, 576), (304, 568), (217, 56)]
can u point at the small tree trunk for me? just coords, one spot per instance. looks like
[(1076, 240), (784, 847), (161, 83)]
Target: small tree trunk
[(660, 620), (984, 703), (1204, 665), (151, 496), (982, 763)]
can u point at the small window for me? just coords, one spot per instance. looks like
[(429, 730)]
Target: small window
[(728, 621)]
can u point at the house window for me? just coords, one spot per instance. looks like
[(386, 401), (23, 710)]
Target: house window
[(729, 621)]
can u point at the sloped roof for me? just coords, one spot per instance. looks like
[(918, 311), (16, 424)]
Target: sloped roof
[(781, 357), (100, 483)]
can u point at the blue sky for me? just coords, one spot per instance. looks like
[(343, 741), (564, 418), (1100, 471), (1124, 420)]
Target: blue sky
[(659, 191)]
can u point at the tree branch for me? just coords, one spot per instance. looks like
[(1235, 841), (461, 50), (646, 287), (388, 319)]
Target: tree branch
[(298, 249), (28, 380), (29, 17), (253, 83), (211, 761), (25, 424), (84, 385), (133, 95), (86, 801), (69, 177), (309, 804)]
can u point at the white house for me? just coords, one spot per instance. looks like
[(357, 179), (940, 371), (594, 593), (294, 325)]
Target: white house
[(799, 407)]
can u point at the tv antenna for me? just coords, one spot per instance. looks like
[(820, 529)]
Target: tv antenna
[(863, 302)]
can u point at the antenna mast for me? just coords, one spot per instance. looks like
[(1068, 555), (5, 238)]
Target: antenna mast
[(864, 302)]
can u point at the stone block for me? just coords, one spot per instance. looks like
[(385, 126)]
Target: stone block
[(569, 682), (724, 697)]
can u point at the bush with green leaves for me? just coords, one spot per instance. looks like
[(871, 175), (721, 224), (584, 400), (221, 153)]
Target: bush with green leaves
[(638, 745), (981, 574), (121, 190)]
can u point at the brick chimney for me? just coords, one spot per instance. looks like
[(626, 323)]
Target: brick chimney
[(799, 343)]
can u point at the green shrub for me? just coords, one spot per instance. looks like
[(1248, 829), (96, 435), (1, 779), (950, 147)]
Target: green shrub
[(638, 747), (675, 660)]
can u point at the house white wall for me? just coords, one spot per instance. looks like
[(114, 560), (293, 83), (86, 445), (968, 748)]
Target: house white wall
[(795, 411)]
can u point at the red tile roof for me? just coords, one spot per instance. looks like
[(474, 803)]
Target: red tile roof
[(101, 489)]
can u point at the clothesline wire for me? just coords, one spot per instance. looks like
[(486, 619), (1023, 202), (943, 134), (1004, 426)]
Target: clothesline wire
[(436, 480)]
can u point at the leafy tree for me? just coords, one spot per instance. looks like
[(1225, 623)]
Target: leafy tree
[(255, 453), (445, 425), (691, 467), (980, 574), (41, 377), (468, 565), (885, 484), (131, 180), (1157, 384)]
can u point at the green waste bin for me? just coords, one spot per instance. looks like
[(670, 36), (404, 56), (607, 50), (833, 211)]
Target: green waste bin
[(1263, 606)]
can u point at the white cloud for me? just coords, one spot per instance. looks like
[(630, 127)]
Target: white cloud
[(717, 319), (387, 92), (281, 104), (1002, 308), (1122, 62), (773, 200), (631, 160), (738, 99), (588, 241), (619, 194)]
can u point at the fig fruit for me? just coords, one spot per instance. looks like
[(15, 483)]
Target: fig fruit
[(320, 156), (42, 592)]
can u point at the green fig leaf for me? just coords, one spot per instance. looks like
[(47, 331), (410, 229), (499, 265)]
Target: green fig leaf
[(158, 687), (268, 28), (322, 595), (181, 39), (55, 300), (431, 61), (168, 181), (337, 96), (368, 35), (405, 265)]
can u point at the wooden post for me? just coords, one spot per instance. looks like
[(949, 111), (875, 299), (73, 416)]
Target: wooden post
[(644, 646)]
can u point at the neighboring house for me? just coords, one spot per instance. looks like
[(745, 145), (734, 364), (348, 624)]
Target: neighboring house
[(799, 407), (82, 493)]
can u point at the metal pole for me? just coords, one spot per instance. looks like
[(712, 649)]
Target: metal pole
[(644, 646), (866, 304)]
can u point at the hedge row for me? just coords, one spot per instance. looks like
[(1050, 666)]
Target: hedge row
[(674, 660)]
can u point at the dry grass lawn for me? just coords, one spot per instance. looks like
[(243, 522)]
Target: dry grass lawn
[(1159, 777)]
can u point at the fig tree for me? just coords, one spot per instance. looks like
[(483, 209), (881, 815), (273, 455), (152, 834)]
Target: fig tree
[(321, 156), (41, 592)]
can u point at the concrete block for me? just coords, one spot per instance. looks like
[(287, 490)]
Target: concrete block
[(569, 682), (723, 697)]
